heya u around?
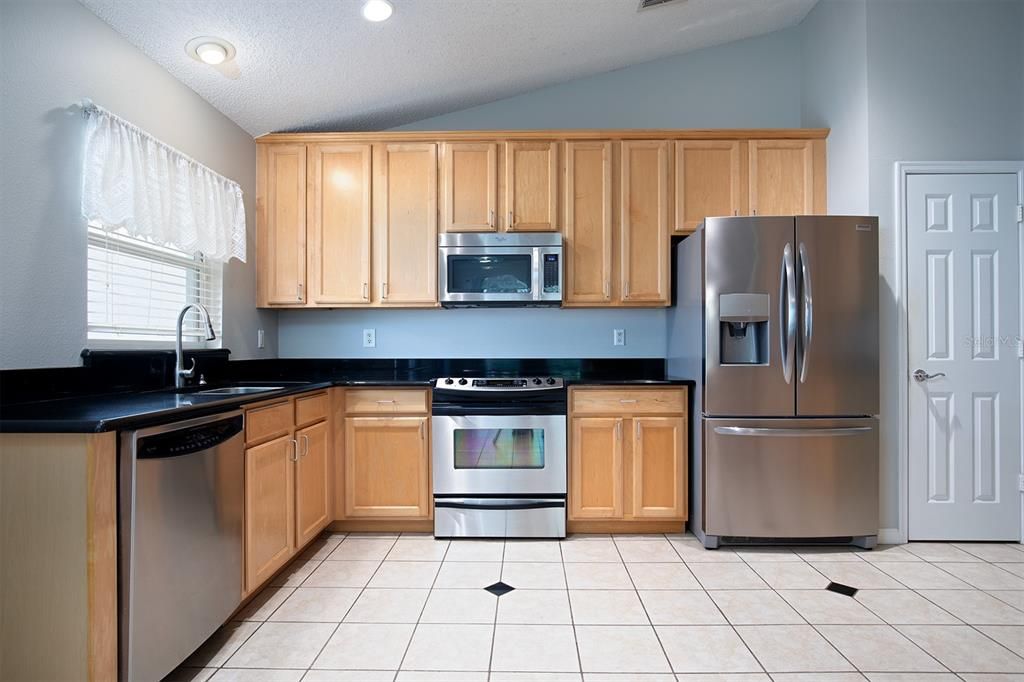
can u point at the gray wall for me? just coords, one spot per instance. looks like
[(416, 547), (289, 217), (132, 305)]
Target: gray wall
[(473, 333), (834, 94), (748, 83), (53, 54), (751, 83), (944, 84)]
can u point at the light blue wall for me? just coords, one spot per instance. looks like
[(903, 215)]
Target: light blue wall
[(472, 333), (749, 83), (834, 95)]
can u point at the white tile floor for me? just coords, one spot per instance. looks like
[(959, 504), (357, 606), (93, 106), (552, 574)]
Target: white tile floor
[(622, 608)]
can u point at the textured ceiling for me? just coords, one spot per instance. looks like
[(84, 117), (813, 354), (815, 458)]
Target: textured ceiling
[(317, 65)]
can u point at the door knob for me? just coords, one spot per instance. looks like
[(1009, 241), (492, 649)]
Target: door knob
[(921, 375)]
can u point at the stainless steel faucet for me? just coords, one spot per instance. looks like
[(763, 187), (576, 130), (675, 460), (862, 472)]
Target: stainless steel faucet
[(180, 373)]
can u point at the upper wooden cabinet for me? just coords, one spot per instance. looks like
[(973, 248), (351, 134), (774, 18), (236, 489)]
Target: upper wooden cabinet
[(588, 222), (281, 246), (405, 222), (707, 183), (531, 186), (643, 224), (783, 177), (339, 223), (469, 187), (351, 219)]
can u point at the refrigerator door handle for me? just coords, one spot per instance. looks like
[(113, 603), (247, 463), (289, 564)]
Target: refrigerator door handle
[(807, 330), (790, 433), (787, 313)]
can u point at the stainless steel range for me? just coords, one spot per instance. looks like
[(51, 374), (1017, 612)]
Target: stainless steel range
[(499, 455)]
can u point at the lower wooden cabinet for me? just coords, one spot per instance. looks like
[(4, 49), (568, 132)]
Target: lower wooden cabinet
[(287, 482), (387, 472), (312, 482), (628, 455), (269, 509)]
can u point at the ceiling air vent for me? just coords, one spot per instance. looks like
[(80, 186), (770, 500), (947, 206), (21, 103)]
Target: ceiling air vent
[(650, 4)]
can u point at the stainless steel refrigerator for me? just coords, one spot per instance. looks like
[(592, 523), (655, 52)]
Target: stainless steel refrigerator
[(776, 321)]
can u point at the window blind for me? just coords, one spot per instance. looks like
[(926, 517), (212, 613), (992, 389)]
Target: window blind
[(136, 289)]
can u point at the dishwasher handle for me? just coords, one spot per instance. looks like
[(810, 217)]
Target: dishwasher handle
[(189, 437)]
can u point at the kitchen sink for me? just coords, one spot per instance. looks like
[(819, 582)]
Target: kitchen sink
[(239, 390)]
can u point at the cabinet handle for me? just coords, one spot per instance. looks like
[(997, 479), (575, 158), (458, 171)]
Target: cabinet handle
[(753, 212), (295, 450), (386, 402), (491, 221), (736, 212), (305, 445), (618, 429), (637, 430), (383, 290), (625, 289), (607, 289), (298, 291), (627, 401), (366, 290), (511, 222), (422, 434)]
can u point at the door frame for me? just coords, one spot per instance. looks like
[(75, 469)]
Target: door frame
[(902, 171)]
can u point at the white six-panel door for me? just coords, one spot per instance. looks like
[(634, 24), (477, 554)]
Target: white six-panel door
[(963, 310)]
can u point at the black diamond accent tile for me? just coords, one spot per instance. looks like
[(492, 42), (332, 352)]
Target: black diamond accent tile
[(499, 588), (842, 589)]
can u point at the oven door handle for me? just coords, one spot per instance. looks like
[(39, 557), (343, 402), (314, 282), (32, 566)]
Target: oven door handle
[(498, 505)]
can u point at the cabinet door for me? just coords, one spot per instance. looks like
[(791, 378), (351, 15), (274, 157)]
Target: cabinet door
[(531, 186), (588, 222), (281, 252), (644, 222), (339, 224), (707, 181), (781, 177), (269, 508), (469, 186), (595, 468), (386, 468), (659, 467), (405, 223), (312, 486)]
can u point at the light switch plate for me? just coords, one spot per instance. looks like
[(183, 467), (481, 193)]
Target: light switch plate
[(369, 338), (618, 337)]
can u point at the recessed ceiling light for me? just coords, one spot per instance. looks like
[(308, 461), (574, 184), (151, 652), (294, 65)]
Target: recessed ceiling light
[(210, 50), (377, 10)]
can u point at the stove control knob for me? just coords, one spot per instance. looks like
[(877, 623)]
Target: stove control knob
[(551, 381), (536, 381), (462, 382), (449, 381)]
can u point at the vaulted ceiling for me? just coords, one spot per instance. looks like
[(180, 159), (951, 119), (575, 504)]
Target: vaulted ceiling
[(318, 65)]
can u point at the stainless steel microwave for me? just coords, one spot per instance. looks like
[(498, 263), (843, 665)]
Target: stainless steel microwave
[(499, 269)]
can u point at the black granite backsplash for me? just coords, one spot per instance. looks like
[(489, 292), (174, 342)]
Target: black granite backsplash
[(111, 372)]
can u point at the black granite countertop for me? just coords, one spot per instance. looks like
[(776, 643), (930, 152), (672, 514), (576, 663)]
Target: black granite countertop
[(120, 392)]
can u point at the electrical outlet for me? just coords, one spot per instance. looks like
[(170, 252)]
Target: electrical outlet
[(369, 338), (261, 341), (618, 337)]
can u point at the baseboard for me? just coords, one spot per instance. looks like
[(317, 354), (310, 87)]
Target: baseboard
[(646, 526), (889, 536), (382, 526)]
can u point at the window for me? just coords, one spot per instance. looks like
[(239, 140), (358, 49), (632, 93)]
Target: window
[(136, 290)]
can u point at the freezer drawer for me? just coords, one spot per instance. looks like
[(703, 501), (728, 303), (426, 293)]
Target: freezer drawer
[(791, 478)]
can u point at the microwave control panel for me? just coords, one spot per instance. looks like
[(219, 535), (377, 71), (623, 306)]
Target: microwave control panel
[(551, 270)]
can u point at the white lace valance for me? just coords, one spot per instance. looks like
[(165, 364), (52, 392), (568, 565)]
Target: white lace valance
[(135, 183)]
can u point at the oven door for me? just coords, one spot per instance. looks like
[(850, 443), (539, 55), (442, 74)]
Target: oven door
[(499, 275), (515, 455)]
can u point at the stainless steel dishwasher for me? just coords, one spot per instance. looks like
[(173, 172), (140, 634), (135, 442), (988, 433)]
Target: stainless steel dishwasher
[(180, 539)]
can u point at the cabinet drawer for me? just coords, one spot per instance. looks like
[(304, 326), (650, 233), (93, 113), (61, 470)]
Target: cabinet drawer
[(386, 401), (310, 409), (267, 422), (628, 401)]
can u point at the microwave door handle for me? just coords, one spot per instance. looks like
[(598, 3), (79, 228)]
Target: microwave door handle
[(538, 274)]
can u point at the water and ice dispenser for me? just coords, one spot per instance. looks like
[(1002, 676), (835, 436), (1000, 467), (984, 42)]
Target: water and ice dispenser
[(743, 329)]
